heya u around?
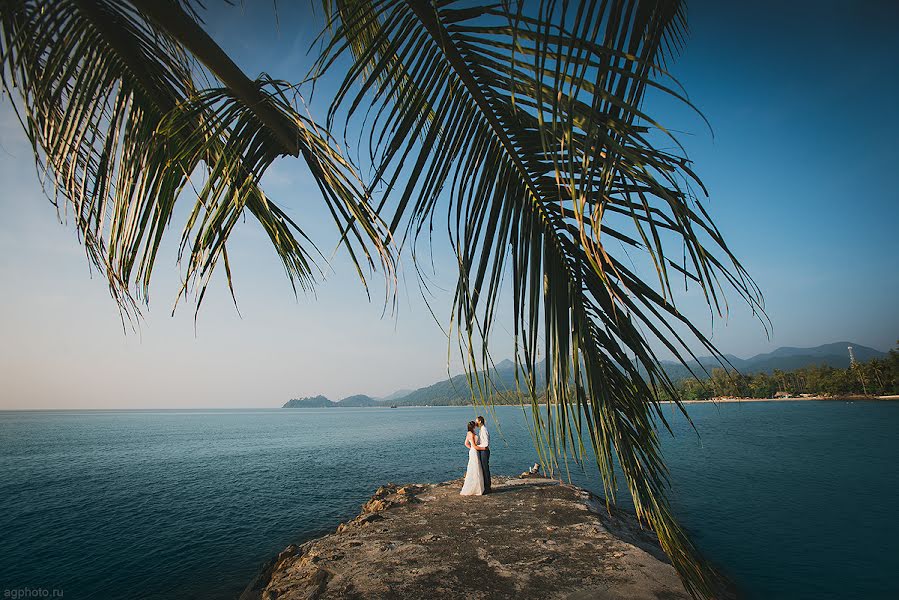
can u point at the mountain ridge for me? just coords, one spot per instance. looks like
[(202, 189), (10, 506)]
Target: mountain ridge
[(785, 358), (454, 391)]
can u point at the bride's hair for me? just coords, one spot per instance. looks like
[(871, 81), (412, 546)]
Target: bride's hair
[(471, 426)]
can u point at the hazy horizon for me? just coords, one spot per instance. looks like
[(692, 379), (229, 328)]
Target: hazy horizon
[(280, 402), (800, 189)]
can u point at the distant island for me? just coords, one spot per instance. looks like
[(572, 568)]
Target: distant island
[(821, 371), (360, 400)]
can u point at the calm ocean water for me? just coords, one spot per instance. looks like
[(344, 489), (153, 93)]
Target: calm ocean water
[(791, 499)]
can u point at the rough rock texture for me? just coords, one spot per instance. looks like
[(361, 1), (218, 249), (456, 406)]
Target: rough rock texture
[(530, 538)]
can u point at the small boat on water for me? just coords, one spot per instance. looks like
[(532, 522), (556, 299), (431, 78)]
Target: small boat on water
[(394, 406)]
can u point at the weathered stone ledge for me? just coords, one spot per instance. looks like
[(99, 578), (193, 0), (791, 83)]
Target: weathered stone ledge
[(531, 538)]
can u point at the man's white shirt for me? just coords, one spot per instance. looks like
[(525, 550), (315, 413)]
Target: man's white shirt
[(483, 437)]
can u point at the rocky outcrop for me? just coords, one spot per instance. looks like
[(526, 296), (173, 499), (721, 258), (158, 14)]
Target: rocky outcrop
[(530, 538)]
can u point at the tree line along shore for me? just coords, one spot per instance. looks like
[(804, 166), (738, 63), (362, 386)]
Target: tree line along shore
[(875, 378)]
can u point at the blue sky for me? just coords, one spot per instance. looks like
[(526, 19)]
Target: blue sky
[(801, 97)]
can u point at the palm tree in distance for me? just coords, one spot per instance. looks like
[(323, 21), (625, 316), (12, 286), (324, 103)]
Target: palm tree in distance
[(523, 124)]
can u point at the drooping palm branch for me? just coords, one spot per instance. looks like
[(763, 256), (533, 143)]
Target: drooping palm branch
[(116, 101), (526, 120)]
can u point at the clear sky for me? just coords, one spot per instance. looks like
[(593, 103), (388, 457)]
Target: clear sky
[(802, 98)]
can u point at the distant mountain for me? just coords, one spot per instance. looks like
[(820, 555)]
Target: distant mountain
[(436, 394), (395, 395), (825, 351), (310, 402), (454, 391), (357, 401), (360, 400), (786, 358)]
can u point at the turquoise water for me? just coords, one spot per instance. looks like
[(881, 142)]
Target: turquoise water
[(791, 499)]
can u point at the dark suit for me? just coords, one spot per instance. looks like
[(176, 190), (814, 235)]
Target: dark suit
[(484, 459)]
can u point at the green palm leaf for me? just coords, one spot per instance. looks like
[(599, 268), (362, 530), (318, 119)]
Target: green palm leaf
[(108, 94), (531, 127)]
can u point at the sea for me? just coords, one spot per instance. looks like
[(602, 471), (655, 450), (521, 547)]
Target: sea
[(789, 499)]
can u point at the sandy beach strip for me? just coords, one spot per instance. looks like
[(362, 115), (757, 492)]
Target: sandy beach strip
[(728, 400)]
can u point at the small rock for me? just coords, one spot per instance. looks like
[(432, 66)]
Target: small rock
[(369, 518)]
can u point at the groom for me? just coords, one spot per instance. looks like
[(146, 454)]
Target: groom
[(484, 455)]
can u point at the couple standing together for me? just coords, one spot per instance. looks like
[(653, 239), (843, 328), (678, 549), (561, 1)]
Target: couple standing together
[(477, 476)]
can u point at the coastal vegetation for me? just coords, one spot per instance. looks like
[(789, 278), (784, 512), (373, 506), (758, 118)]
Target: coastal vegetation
[(877, 377), (522, 127), (762, 376)]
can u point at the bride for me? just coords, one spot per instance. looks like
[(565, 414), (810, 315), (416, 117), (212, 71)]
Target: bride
[(474, 479)]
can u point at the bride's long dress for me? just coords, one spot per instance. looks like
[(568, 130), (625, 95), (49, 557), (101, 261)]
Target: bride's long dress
[(474, 479)]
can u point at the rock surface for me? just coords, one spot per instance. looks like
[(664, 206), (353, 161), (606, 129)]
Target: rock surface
[(530, 538)]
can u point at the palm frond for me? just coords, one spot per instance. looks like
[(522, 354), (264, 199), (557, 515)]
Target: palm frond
[(531, 125), (120, 126)]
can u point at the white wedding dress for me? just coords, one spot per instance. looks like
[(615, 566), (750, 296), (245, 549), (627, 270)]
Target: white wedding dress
[(474, 479)]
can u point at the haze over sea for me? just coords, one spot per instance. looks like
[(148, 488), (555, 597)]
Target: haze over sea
[(791, 499)]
